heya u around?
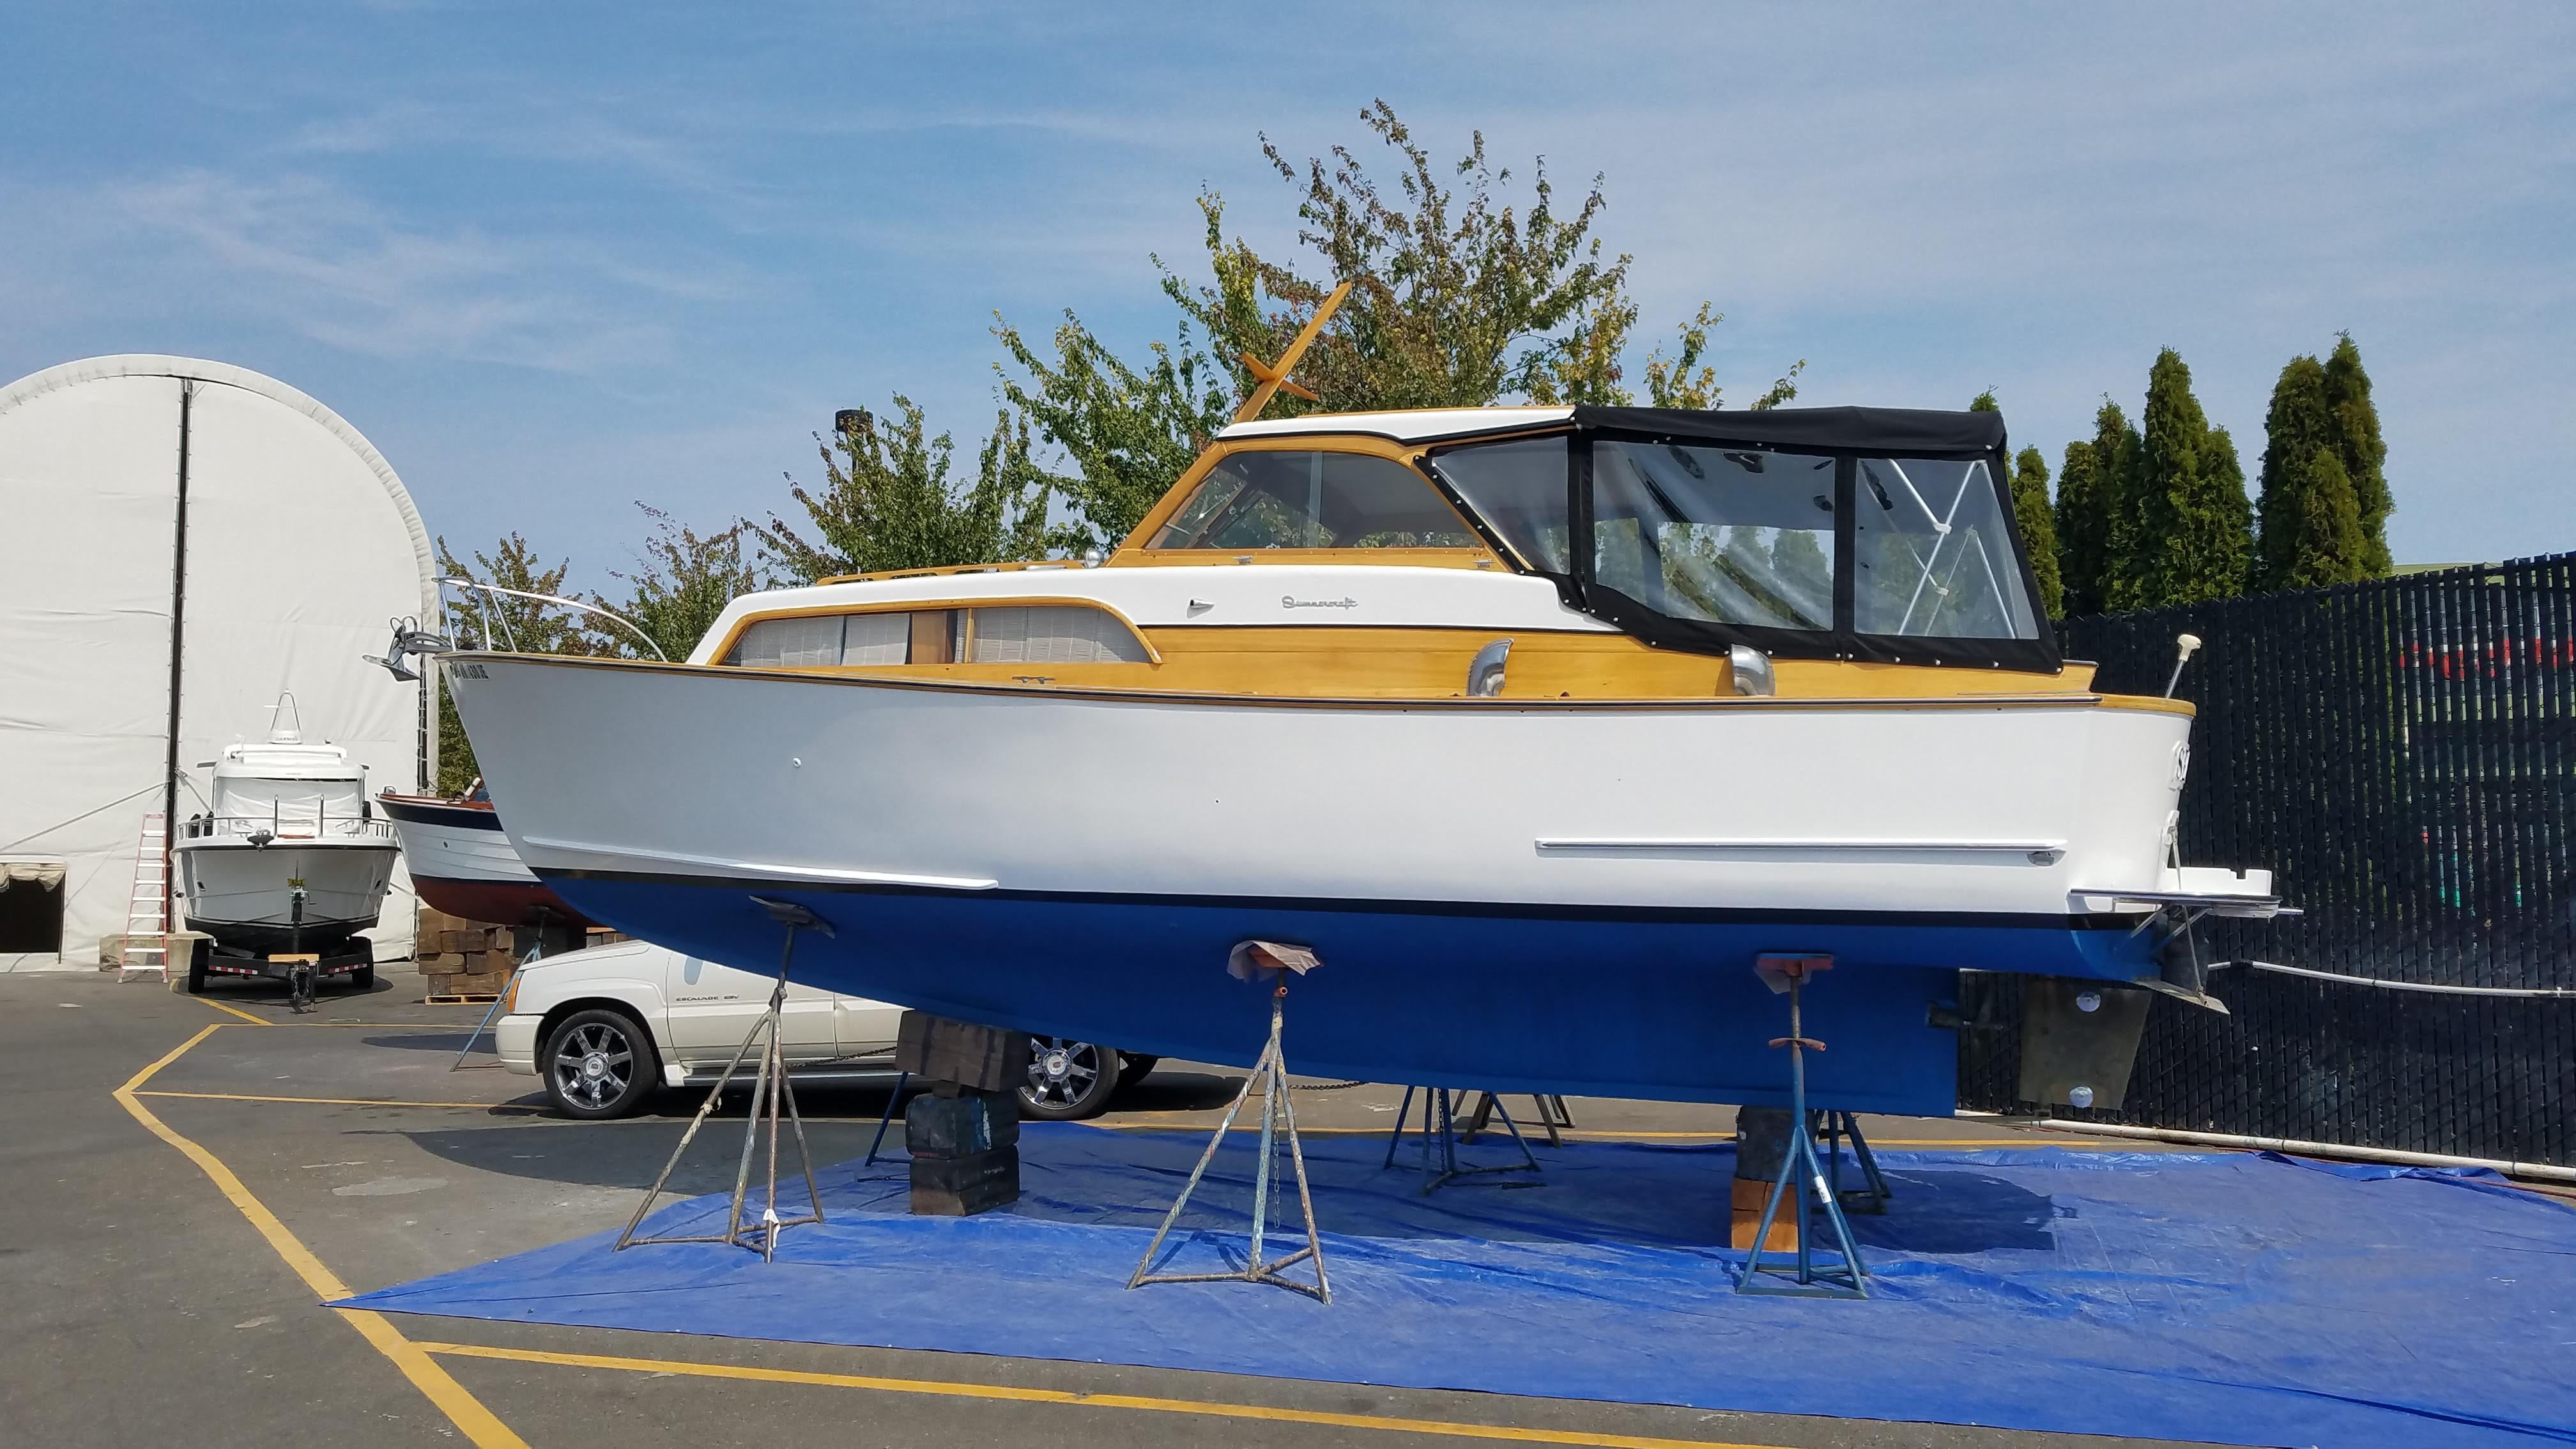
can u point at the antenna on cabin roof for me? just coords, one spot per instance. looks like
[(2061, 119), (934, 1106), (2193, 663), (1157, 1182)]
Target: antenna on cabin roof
[(1272, 377)]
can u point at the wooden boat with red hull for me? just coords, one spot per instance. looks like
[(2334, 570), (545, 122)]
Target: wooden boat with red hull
[(463, 864)]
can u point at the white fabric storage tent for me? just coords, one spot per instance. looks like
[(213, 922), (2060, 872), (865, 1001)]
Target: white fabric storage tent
[(295, 546)]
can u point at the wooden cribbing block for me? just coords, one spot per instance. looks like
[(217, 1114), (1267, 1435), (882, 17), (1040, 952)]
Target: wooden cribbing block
[(941, 1049)]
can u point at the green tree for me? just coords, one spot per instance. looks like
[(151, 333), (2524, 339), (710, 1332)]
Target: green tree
[(2083, 532), (478, 620), (2299, 422), (683, 581), (1129, 432), (2192, 538), (1684, 381), (2330, 546), (2363, 452), (2038, 527), (2118, 451), (1457, 300), (889, 503), (2031, 514)]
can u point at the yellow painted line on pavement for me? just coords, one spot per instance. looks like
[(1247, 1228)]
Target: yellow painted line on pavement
[(1206, 1408), (475, 1422), (237, 1011), (339, 1101)]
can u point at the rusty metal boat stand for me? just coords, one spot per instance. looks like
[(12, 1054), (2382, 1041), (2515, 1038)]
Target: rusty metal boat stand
[(1802, 1183), (1253, 960), (538, 937), (770, 1094)]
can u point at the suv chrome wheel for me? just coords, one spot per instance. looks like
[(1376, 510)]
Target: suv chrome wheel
[(1067, 1079), (598, 1064)]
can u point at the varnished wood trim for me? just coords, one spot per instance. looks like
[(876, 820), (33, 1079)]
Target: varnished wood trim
[(1996, 702)]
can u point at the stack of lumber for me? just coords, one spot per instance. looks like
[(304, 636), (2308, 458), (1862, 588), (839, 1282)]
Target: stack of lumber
[(458, 957)]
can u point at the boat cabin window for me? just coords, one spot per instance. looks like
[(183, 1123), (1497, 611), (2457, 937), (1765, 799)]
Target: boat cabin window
[(1817, 539), (1729, 536), (1005, 634), (1518, 488), (1261, 499), (1934, 557), (302, 804), (1052, 634), (824, 641)]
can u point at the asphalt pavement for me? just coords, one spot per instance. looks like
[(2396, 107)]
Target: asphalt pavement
[(183, 1180)]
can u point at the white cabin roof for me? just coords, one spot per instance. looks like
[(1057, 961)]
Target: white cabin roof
[(1412, 425)]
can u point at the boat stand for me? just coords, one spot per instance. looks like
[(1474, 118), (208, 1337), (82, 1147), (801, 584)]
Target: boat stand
[(1278, 1117), (1553, 1115), (1440, 1124), (886, 1119), (770, 1092), (1802, 1173), (535, 953), (1872, 1195)]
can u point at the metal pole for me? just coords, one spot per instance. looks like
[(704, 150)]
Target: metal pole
[(178, 641), (2300, 1147), (1305, 1194), (1272, 1084)]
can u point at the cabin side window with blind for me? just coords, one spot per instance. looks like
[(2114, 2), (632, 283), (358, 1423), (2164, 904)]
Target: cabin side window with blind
[(1006, 634)]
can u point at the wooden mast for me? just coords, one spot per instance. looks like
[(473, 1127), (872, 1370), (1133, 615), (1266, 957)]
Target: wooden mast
[(1273, 377)]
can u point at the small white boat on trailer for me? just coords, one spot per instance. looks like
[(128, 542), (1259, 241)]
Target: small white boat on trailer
[(1539, 725), (289, 862)]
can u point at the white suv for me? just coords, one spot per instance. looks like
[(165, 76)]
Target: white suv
[(606, 1025)]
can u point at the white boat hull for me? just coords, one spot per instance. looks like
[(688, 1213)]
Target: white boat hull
[(244, 895), (1504, 893)]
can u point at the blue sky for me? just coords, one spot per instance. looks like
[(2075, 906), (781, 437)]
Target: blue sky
[(554, 259)]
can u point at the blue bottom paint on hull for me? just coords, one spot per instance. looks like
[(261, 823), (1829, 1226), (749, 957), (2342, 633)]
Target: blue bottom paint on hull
[(1653, 1005)]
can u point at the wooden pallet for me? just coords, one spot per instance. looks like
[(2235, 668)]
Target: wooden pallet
[(471, 998)]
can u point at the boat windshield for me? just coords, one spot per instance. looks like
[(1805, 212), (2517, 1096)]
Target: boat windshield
[(1816, 546), (1297, 498)]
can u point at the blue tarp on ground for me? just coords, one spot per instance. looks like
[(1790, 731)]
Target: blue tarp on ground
[(2231, 1298)]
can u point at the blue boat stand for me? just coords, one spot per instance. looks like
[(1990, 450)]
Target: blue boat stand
[(886, 1119), (1553, 1115), (1872, 1195), (1440, 1123), (1801, 1171)]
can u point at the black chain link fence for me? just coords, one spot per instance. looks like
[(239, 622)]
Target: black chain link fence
[(2402, 754)]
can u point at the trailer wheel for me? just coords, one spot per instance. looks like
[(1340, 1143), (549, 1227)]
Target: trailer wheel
[(197, 967), (364, 978)]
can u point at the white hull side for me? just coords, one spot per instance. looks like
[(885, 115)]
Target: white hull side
[(1899, 807), (229, 883), (444, 852)]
